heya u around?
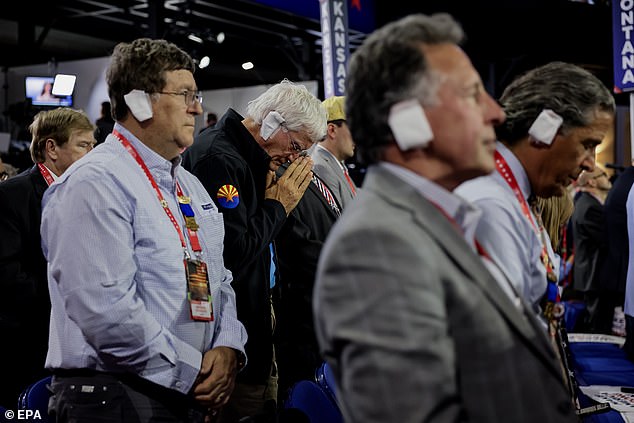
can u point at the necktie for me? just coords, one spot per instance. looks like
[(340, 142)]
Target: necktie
[(352, 187), (325, 191)]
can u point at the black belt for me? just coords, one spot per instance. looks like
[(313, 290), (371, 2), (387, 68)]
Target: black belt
[(135, 382)]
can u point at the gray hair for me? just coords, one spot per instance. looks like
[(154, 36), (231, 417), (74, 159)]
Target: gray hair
[(390, 67), (142, 65), (570, 91), (301, 110)]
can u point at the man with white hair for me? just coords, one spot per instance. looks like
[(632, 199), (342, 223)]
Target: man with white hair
[(236, 161)]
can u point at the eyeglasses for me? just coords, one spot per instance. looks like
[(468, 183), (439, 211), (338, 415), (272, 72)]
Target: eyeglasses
[(600, 175), (191, 97), (295, 146)]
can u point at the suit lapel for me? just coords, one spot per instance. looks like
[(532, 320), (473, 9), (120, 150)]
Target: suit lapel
[(336, 170), (396, 191), (321, 198)]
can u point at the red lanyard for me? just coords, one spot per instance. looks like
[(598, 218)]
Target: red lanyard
[(46, 174), (504, 170), (479, 248), (193, 236)]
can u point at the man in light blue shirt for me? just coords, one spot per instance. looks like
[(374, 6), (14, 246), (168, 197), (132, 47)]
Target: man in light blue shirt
[(143, 313), (557, 115)]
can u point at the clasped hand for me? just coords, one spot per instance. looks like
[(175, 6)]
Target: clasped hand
[(290, 187), (216, 379)]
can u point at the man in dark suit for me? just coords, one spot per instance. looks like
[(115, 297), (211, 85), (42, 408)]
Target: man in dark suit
[(614, 273), (414, 325), (105, 123), (588, 235), (59, 138), (298, 246)]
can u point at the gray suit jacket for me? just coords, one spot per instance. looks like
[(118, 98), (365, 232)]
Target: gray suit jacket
[(327, 168), (417, 330)]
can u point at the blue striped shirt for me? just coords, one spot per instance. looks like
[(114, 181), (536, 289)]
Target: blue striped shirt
[(116, 273)]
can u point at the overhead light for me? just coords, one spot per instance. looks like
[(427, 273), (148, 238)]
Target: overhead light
[(220, 37), (247, 65), (204, 62), (195, 38)]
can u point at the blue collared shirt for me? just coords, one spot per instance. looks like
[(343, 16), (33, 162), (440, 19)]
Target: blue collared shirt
[(116, 273), (505, 232)]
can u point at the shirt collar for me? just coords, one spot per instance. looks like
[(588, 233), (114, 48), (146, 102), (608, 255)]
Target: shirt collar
[(516, 167), (152, 159), (464, 214)]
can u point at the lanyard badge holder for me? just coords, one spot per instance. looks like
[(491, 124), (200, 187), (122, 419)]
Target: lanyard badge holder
[(198, 289)]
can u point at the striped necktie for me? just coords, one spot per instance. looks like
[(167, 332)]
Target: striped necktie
[(325, 191)]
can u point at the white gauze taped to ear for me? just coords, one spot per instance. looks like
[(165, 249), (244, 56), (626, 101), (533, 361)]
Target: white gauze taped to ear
[(270, 124), (545, 127), (409, 125), (139, 103)]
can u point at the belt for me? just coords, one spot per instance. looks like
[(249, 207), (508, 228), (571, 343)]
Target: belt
[(135, 382)]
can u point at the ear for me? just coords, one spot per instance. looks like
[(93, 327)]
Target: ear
[(139, 104), (545, 128), (51, 148), (409, 125), (332, 128), (270, 124)]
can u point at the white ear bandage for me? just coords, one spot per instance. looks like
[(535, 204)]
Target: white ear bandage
[(545, 127), (409, 125), (139, 103), (270, 124)]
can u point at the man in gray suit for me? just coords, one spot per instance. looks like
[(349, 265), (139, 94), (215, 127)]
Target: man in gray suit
[(407, 312), (329, 155)]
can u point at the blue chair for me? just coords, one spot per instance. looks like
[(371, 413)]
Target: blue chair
[(309, 398), (35, 397), (326, 379)]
